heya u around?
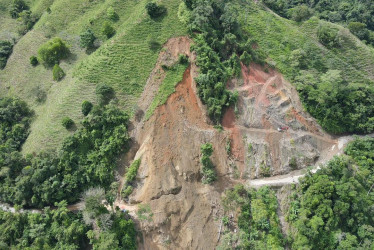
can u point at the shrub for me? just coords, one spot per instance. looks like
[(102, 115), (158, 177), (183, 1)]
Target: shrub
[(104, 92), (127, 191), (54, 50), (111, 14), (34, 60), (86, 107), (207, 170), (67, 123), (17, 7), (359, 30), (293, 163), (28, 20), (246, 58), (328, 36), (155, 10), (87, 39), (6, 48), (183, 59), (57, 72), (132, 171), (184, 14), (301, 13), (108, 30)]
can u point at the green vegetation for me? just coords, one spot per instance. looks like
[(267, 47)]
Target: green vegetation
[(108, 30), (105, 93), (207, 169), (87, 39), (116, 229), (86, 107), (216, 46), (34, 61), (123, 62), (53, 229), (86, 158), (57, 73), (343, 12), (67, 123), (313, 55), (259, 226), (155, 10), (51, 52), (332, 209), (174, 75), (5, 51), (130, 178), (17, 7)]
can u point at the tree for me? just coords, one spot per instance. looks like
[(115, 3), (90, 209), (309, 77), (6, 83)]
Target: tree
[(34, 61), (54, 50), (301, 13), (6, 48), (155, 10), (67, 122), (108, 30), (87, 39), (17, 7), (359, 29), (57, 72), (86, 107), (111, 14), (104, 92)]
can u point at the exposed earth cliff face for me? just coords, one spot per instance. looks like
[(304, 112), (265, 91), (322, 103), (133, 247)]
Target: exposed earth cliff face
[(186, 213)]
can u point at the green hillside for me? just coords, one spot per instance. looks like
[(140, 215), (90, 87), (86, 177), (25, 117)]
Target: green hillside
[(124, 61)]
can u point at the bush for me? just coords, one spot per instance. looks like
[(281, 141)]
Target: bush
[(359, 30), (86, 107), (51, 52), (67, 123), (108, 30), (207, 170), (111, 14), (301, 13), (245, 58), (34, 60), (105, 93), (57, 72), (6, 48), (183, 59), (328, 36), (127, 191), (155, 10), (17, 7), (87, 39), (132, 172)]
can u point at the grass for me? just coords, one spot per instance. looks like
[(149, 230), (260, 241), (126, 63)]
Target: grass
[(279, 37), (172, 78), (124, 61)]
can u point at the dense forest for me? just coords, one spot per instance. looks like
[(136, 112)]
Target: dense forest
[(333, 208)]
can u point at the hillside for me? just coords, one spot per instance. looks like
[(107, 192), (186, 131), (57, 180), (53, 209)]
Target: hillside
[(108, 64), (186, 124)]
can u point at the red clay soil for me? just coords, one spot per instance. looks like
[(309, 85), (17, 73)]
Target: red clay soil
[(178, 101), (237, 145)]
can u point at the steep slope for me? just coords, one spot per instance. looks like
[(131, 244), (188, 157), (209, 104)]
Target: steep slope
[(123, 62)]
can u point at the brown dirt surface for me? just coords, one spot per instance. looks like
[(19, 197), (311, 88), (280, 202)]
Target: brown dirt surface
[(185, 212), (266, 103)]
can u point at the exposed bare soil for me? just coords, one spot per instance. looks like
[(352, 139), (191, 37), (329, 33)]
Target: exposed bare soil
[(268, 102)]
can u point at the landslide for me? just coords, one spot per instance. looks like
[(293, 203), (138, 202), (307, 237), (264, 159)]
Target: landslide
[(184, 213)]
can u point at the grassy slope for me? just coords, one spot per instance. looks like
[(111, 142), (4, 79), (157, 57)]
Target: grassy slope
[(279, 36), (124, 62)]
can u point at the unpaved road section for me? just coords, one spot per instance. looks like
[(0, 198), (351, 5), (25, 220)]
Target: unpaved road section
[(294, 176)]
